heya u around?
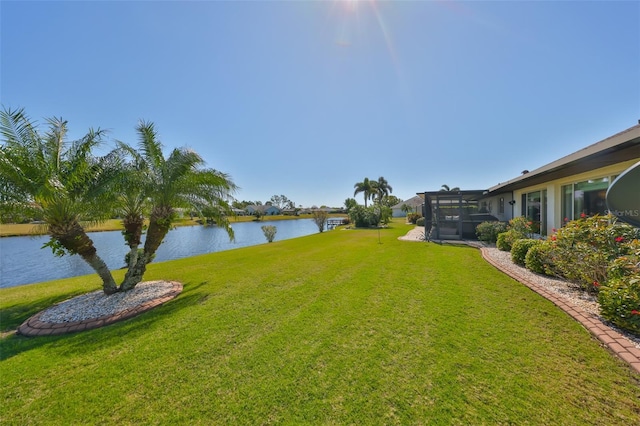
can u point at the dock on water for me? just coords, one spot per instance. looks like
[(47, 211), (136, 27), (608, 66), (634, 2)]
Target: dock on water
[(332, 222)]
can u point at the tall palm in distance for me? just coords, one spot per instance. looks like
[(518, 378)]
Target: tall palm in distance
[(382, 188), (44, 175), (445, 188), (367, 187)]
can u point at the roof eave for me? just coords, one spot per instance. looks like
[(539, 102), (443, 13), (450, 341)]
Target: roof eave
[(623, 146)]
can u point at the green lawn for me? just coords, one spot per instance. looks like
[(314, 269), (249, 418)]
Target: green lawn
[(333, 328)]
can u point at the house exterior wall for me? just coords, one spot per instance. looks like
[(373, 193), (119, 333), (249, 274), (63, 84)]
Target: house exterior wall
[(271, 210), (415, 203), (498, 206), (397, 211), (554, 208)]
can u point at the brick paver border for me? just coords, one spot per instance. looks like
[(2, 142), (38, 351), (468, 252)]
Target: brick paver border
[(610, 338), (34, 327)]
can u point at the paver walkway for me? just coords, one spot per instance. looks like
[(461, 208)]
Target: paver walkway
[(35, 327), (609, 337)]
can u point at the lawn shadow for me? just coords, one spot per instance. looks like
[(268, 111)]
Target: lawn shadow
[(13, 344), (12, 317)]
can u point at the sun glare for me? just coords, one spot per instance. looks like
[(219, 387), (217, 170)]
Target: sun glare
[(348, 5), (353, 17)]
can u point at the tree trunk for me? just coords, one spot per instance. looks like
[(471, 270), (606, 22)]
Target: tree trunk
[(108, 283), (133, 224), (159, 225), (134, 274), (73, 238)]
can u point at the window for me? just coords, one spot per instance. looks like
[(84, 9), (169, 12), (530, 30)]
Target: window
[(501, 205), (534, 208), (587, 197), (567, 202)]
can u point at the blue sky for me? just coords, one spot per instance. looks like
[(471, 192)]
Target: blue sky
[(307, 98)]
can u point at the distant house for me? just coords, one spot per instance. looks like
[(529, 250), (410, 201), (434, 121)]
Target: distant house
[(239, 212), (266, 210), (415, 203)]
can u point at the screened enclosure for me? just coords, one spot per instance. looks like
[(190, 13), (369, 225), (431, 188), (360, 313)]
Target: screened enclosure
[(454, 215)]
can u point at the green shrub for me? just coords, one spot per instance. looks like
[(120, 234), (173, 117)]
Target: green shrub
[(537, 257), (503, 242), (413, 217), (269, 232), (358, 215), (384, 213), (520, 248), (370, 216), (420, 221), (488, 231), (506, 239), (619, 298)]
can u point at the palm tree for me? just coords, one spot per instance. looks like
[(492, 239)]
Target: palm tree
[(177, 181), (61, 182), (367, 187), (132, 203), (445, 188), (382, 188)]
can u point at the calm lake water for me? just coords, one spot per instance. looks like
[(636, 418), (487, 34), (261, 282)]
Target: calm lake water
[(23, 261)]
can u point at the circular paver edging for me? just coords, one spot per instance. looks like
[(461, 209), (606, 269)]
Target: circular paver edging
[(34, 326)]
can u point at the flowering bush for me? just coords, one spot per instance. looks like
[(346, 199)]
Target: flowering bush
[(518, 228), (522, 227), (583, 249), (599, 254), (620, 302), (619, 298), (628, 265)]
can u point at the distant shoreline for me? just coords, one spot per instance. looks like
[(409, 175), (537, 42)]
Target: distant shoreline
[(31, 229)]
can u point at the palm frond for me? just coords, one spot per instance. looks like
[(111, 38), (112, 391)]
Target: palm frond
[(149, 144), (17, 128)]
